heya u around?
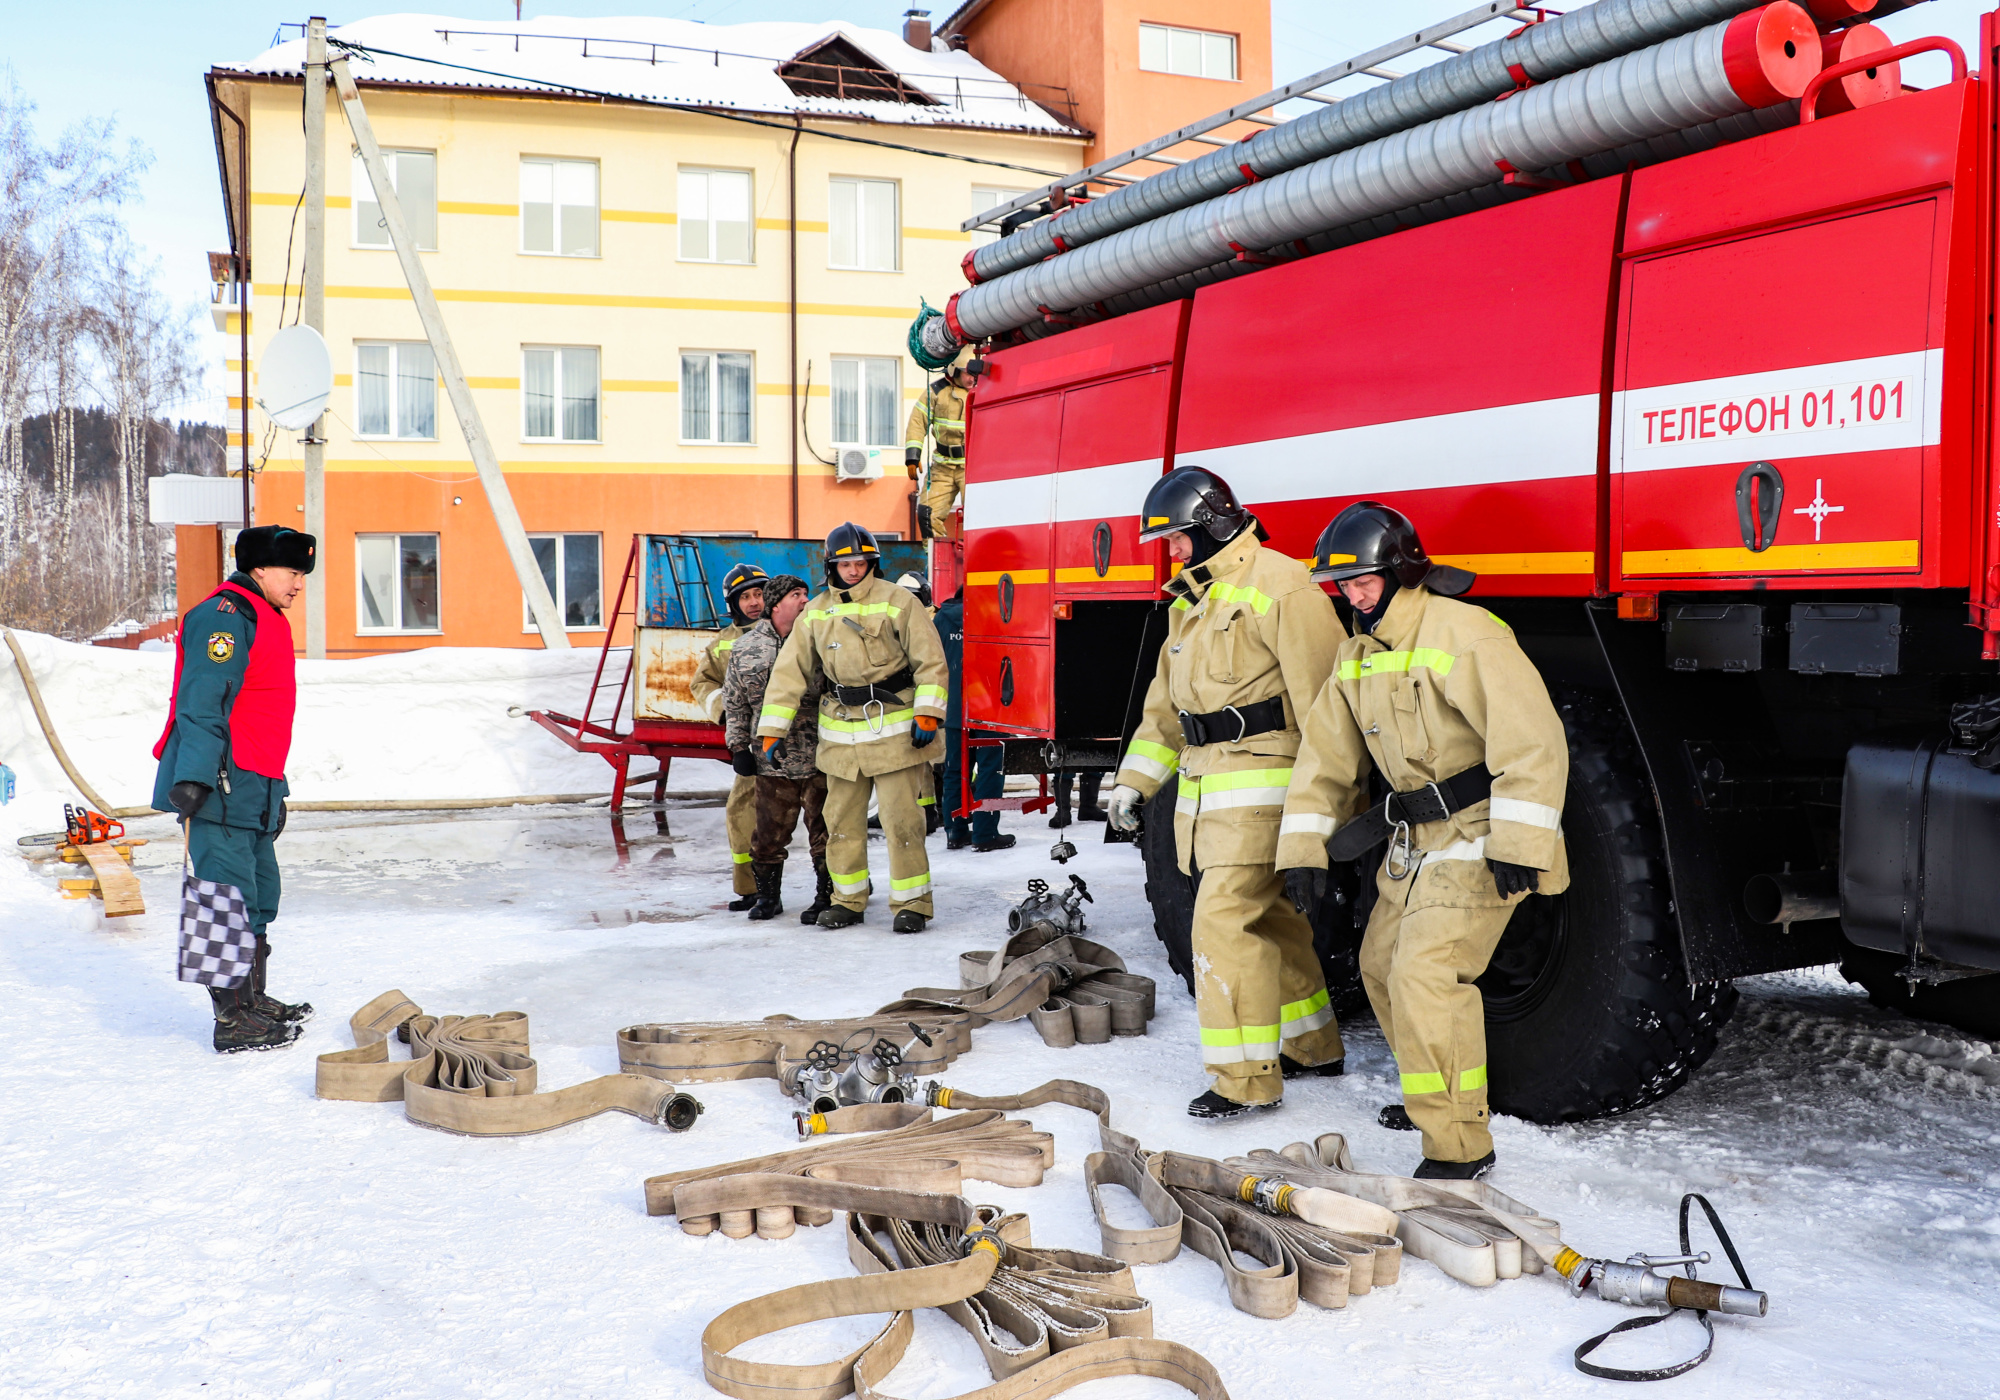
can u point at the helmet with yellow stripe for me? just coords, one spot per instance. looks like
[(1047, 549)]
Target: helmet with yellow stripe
[(1187, 499), (740, 580), (851, 541), (1371, 538)]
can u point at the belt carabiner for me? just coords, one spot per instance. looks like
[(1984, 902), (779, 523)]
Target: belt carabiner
[(879, 720), (1400, 853)]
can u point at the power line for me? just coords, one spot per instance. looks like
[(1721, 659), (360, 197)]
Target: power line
[(603, 96)]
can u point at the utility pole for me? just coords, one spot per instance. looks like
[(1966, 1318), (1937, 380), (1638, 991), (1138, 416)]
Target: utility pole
[(312, 300), (498, 497)]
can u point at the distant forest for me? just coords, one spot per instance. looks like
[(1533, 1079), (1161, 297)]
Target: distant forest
[(94, 360)]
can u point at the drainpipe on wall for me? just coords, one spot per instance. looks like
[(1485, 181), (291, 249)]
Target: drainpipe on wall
[(792, 254)]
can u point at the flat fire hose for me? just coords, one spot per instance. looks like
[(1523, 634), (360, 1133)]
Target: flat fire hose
[(917, 1155), (707, 1052), (1074, 990), (1321, 1245), (1046, 1320), (473, 1075), (1454, 1229)]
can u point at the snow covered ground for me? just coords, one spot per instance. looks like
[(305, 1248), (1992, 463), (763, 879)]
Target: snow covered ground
[(173, 1221)]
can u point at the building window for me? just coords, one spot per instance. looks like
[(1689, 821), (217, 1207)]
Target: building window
[(395, 390), (559, 393), (572, 567), (559, 207), (414, 175), (866, 395), (1194, 52), (398, 575), (717, 391), (713, 212), (986, 197), (865, 232)]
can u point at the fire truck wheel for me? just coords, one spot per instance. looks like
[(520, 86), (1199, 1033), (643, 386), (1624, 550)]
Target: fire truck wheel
[(1588, 1010), (1336, 926), (1971, 1004)]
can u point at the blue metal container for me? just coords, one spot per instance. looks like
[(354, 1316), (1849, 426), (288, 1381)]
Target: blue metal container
[(681, 575)]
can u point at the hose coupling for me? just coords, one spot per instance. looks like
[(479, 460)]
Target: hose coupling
[(1269, 1194), (677, 1112), (937, 1095), (986, 1239)]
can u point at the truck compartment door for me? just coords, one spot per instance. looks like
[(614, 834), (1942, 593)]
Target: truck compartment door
[(1114, 447), (1010, 508), (1774, 418)]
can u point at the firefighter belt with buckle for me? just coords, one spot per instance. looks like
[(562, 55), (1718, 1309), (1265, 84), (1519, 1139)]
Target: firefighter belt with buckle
[(1432, 802), (472, 1075), (882, 692), (1233, 723)]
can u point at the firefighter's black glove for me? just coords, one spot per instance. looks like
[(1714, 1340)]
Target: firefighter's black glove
[(1511, 879), (1306, 886), (187, 797), (913, 456), (744, 762), (923, 732)]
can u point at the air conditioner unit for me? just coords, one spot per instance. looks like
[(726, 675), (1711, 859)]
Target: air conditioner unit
[(858, 464)]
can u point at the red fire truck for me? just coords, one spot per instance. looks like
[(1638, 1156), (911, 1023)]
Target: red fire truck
[(1717, 435)]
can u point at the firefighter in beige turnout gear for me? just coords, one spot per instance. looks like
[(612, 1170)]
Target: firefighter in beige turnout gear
[(1440, 697), (743, 595), (1250, 641), (940, 415), (884, 699)]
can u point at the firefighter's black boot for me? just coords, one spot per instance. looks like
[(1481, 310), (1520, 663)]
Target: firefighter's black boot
[(1429, 1170), (924, 526), (908, 921), (1064, 785), (265, 1005), (1087, 809), (743, 901), (838, 916), (822, 895), (238, 1027), (1396, 1118), (769, 876), (1212, 1105), (1292, 1069)]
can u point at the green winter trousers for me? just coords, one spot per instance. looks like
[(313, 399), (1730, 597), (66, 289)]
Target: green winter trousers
[(235, 855)]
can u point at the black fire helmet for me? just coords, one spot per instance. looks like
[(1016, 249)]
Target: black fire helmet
[(1371, 538)]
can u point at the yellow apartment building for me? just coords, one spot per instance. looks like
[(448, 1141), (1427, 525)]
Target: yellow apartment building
[(680, 296)]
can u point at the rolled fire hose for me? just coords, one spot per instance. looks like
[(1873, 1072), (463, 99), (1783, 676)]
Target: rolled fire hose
[(706, 1052), (1537, 53), (1073, 990), (1046, 1320), (473, 1075), (1761, 58)]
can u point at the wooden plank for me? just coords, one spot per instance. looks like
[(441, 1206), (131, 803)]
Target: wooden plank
[(115, 881)]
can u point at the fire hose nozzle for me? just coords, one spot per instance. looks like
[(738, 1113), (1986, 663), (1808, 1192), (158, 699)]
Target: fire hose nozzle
[(1716, 1297)]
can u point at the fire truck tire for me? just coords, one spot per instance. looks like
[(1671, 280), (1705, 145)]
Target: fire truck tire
[(1971, 1004), (1336, 935), (1589, 1012)]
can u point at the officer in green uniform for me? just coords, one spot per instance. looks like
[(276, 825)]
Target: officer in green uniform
[(222, 756)]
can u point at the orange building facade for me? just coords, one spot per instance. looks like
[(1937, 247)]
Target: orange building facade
[(675, 315)]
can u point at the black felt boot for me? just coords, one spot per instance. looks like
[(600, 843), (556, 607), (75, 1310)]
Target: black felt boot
[(265, 1005), (822, 895), (769, 877), (239, 1027)]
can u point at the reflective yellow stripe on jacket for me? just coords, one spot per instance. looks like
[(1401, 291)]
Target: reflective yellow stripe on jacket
[(1249, 787), (1384, 663)]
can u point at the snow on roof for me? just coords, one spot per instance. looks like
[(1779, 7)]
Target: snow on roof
[(731, 66)]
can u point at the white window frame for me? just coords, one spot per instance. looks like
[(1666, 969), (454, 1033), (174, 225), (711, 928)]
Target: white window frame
[(396, 378), (714, 399), (555, 165), (360, 182), (361, 627), (1206, 44), (898, 414), (859, 184), (562, 538), (682, 221), (986, 197), (562, 354)]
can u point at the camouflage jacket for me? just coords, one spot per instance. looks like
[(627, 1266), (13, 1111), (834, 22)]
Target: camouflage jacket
[(750, 662)]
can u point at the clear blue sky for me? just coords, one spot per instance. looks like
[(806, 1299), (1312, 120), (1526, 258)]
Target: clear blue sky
[(141, 63)]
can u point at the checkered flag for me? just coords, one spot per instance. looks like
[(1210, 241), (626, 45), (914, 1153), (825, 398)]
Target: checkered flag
[(217, 947)]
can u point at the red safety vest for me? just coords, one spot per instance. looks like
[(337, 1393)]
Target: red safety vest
[(260, 721)]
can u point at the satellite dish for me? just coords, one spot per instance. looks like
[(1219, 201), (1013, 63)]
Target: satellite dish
[(294, 378)]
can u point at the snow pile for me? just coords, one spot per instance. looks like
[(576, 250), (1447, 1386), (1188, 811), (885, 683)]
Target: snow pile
[(440, 723)]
